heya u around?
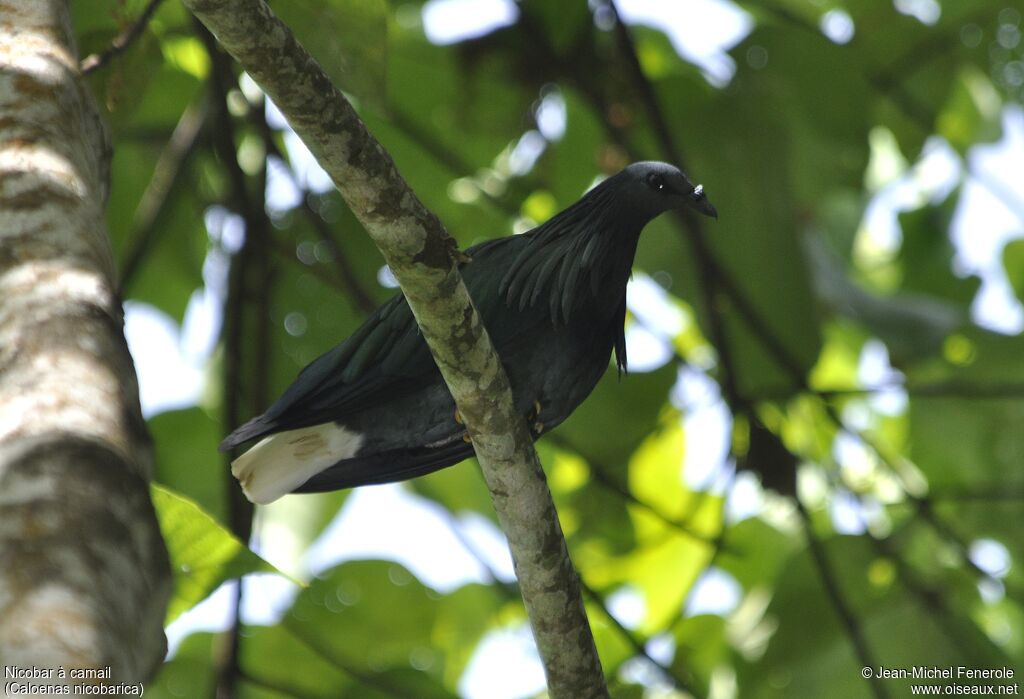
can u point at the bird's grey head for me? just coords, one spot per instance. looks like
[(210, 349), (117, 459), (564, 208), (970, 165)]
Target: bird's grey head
[(653, 188)]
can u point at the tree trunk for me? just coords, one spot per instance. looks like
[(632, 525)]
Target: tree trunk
[(84, 578)]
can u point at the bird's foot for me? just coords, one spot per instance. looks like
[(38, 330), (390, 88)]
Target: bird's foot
[(459, 421), (538, 426)]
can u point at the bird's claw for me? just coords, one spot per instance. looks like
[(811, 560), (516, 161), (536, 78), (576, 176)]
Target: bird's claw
[(459, 421)]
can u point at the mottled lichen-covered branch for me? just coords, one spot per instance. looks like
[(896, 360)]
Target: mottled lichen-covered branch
[(84, 578), (424, 260)]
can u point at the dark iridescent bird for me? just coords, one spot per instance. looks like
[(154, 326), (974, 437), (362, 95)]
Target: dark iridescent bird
[(374, 409)]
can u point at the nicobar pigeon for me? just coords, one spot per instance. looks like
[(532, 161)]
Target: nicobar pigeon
[(375, 410)]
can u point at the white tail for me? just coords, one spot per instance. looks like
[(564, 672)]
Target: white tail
[(280, 463)]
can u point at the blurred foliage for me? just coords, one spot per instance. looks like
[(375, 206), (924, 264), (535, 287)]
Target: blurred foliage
[(205, 554), (792, 148)]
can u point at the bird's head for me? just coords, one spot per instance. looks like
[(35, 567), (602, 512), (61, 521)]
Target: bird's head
[(653, 188)]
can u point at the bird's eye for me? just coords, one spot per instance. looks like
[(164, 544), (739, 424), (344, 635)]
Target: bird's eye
[(656, 182)]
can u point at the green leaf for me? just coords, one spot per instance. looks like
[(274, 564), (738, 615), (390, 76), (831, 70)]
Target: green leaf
[(912, 325), (970, 443), (459, 488), (187, 460), (656, 470), (203, 553), (755, 552), (563, 24), (973, 113), (297, 521), (927, 254), (372, 617), (756, 147), (296, 668), (1013, 263), (701, 646), (174, 248), (900, 627), (190, 673), (347, 37), (617, 416)]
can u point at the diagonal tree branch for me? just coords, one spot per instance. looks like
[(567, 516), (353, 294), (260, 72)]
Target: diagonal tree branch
[(424, 260)]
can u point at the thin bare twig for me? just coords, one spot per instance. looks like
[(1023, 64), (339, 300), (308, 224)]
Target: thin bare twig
[(639, 644), (602, 476), (349, 282), (927, 513), (455, 526), (166, 174), (994, 494), (940, 389), (370, 679), (830, 582), (123, 40), (933, 602), (285, 249)]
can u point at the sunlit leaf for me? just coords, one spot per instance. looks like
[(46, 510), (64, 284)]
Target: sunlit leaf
[(203, 553)]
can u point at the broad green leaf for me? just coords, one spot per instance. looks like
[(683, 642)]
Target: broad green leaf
[(372, 617), (818, 659), (203, 553), (187, 460), (656, 470), (970, 443), (620, 413)]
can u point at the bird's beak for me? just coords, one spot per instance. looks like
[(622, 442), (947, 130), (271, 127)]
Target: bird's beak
[(698, 201)]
